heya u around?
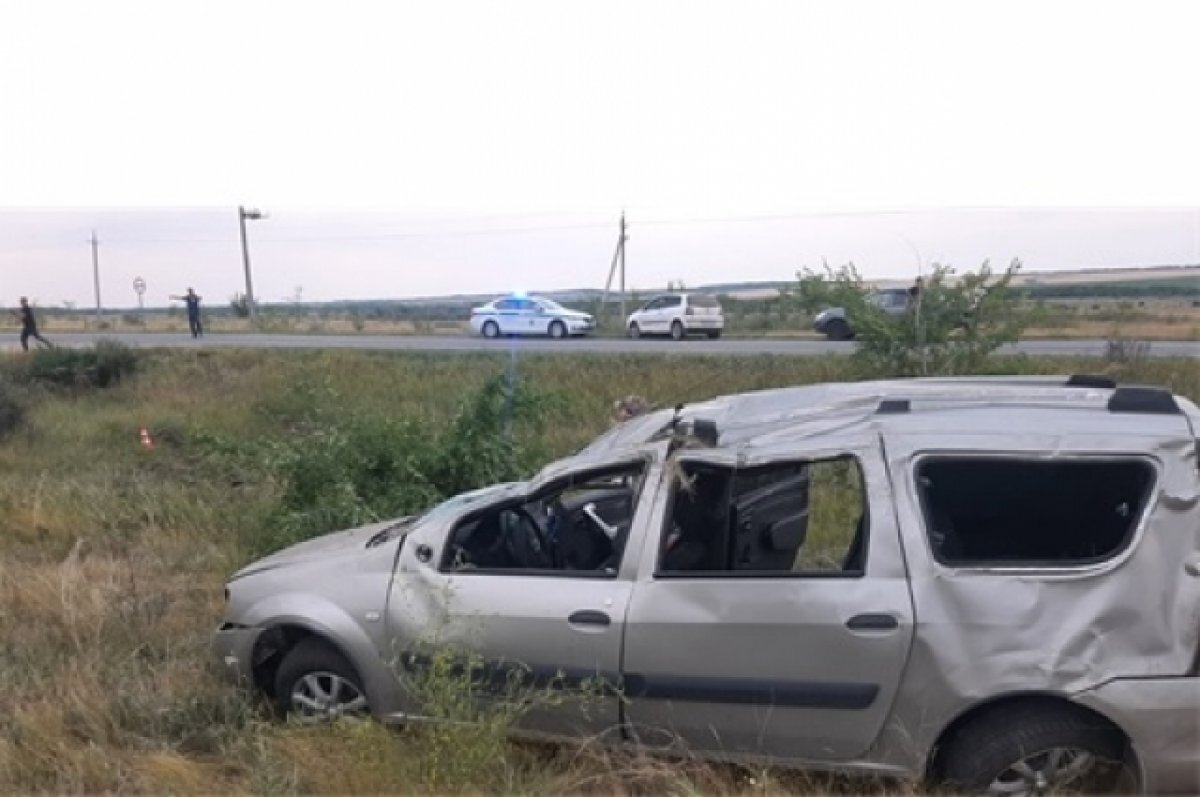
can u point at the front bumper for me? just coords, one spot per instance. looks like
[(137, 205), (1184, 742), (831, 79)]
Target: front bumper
[(233, 646), (581, 327), (1161, 716)]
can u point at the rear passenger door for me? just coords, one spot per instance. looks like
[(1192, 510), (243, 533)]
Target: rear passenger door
[(774, 615)]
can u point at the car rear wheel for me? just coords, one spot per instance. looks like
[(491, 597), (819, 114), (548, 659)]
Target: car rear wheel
[(557, 329), (1028, 749), (316, 684), (838, 330), (491, 329), (677, 331), (635, 331)]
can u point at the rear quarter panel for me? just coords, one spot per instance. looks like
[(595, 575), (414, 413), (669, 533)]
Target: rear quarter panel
[(982, 633)]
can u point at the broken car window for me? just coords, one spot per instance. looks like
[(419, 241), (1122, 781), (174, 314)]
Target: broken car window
[(578, 524), (796, 518), (1025, 512)]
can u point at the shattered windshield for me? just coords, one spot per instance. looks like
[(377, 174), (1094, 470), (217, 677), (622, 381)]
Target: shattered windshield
[(449, 506)]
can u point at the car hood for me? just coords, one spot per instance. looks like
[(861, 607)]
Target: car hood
[(353, 542), (337, 543)]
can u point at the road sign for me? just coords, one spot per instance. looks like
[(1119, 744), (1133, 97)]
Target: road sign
[(139, 285)]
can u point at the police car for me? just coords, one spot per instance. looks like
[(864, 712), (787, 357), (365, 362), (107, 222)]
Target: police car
[(519, 314)]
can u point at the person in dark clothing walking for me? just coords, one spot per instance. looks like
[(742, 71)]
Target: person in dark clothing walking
[(193, 311), (29, 325)]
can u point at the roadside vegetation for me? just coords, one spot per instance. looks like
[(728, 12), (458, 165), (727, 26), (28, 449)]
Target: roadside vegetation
[(113, 552)]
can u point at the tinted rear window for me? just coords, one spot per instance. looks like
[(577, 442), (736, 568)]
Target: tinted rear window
[(1031, 512), (698, 300)]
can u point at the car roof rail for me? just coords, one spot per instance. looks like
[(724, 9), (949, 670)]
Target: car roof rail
[(1146, 400), (1091, 380)]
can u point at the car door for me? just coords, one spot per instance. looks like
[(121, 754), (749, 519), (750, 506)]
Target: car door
[(672, 308), (645, 316), (531, 318), (543, 314), (506, 316), (561, 628), (796, 663)]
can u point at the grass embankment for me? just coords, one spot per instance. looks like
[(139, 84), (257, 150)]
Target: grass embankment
[(113, 557)]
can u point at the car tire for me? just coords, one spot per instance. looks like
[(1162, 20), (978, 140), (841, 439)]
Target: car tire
[(557, 329), (635, 331), (838, 329), (677, 330), (316, 684), (1044, 748), (491, 329)]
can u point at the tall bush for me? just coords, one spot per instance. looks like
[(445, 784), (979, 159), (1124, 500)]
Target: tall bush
[(955, 325), (354, 471), (12, 411), (103, 365)]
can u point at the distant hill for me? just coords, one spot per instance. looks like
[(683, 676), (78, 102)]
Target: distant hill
[(1182, 280), (1181, 276)]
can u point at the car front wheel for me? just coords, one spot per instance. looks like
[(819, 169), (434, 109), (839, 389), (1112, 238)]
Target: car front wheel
[(316, 684), (1035, 750), (677, 331), (635, 331), (557, 329)]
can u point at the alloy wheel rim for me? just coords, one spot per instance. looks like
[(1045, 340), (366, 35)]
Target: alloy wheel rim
[(323, 696), (1046, 772)]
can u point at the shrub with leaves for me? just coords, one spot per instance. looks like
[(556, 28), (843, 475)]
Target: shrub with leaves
[(12, 411), (239, 305), (349, 472), (951, 327), (103, 365)]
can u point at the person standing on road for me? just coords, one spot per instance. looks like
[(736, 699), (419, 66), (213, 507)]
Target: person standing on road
[(193, 312), (29, 325)]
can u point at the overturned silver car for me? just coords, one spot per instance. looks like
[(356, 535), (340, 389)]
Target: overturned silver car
[(989, 582)]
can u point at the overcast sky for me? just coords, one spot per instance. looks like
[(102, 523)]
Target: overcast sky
[(408, 149)]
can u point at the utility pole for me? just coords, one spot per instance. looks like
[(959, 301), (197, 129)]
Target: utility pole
[(618, 260), (244, 214), (96, 271), (624, 238)]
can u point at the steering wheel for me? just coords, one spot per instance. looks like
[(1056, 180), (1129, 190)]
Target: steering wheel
[(523, 539)]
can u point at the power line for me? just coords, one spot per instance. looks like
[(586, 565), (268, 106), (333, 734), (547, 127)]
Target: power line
[(483, 232)]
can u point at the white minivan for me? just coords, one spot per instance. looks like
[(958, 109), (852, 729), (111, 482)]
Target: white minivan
[(678, 315)]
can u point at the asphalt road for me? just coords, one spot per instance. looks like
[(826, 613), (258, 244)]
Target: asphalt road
[(465, 343)]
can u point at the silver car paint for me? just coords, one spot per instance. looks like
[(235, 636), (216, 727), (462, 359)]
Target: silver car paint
[(1119, 637)]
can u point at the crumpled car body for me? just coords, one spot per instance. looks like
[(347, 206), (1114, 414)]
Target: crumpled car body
[(1016, 556)]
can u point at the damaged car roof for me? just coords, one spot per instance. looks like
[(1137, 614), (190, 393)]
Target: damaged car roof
[(975, 404)]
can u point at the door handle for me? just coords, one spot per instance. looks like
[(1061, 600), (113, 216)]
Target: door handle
[(873, 622), (589, 617)]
